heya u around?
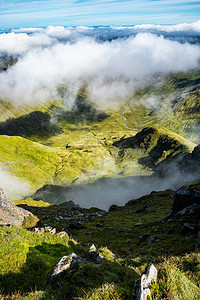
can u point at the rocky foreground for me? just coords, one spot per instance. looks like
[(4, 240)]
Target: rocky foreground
[(139, 233)]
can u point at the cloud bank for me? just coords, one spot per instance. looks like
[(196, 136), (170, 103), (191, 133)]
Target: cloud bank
[(114, 61)]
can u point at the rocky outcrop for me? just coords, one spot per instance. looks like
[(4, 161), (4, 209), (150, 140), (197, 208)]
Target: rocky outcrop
[(10, 214), (66, 263), (184, 198), (73, 262), (143, 288)]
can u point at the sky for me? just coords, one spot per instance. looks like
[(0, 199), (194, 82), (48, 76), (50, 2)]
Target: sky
[(41, 13)]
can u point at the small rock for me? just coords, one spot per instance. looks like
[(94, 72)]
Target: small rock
[(66, 263), (112, 228), (39, 230), (99, 258), (62, 233), (143, 237), (170, 231), (129, 212), (189, 228), (89, 233), (99, 225), (139, 224), (48, 228), (169, 214), (53, 231), (76, 225), (94, 255), (191, 209), (92, 248), (152, 239)]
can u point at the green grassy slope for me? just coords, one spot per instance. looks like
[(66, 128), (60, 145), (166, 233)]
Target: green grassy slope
[(89, 134), (88, 156), (172, 103), (120, 230), (28, 259), (38, 164)]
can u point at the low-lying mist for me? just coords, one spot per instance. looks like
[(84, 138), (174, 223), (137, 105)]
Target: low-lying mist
[(114, 62), (108, 191), (14, 187)]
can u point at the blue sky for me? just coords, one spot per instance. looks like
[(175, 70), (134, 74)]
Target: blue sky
[(41, 13)]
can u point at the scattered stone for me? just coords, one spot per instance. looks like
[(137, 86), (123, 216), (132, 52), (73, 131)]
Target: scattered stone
[(152, 239), (39, 230), (113, 207), (63, 234), (48, 228), (94, 255), (45, 218), (99, 258), (142, 289), (92, 248), (191, 209), (140, 250), (169, 214), (10, 214), (76, 225), (53, 231), (112, 228), (143, 237), (189, 228), (89, 233), (100, 225), (129, 212), (166, 250)]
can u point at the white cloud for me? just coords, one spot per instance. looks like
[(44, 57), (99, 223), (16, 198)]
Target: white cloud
[(113, 68), (18, 44)]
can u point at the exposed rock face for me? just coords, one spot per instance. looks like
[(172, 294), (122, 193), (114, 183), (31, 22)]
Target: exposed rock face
[(185, 197), (10, 214), (143, 291)]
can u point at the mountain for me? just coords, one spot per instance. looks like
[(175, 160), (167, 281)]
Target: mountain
[(138, 164)]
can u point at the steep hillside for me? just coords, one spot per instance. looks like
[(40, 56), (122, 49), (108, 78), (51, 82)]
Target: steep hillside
[(160, 228), (79, 156), (37, 164), (172, 102), (152, 146), (83, 142)]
